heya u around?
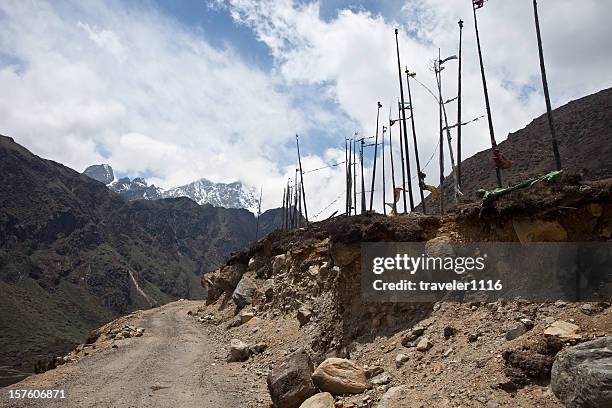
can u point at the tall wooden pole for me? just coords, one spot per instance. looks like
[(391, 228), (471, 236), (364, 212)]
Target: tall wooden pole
[(375, 156), (441, 140), (346, 177), (349, 197), (287, 205), (486, 96), (258, 212), (392, 165), (363, 199), (450, 145), (299, 209), (355, 173), (283, 213), (403, 112), (295, 198), (402, 159), (384, 184), (459, 107), (414, 139), (551, 123), (297, 141)]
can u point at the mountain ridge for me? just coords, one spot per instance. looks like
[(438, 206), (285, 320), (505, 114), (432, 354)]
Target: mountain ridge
[(202, 191)]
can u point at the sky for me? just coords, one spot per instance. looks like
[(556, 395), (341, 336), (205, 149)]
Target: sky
[(179, 90)]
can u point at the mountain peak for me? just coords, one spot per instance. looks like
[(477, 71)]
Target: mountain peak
[(100, 172), (202, 191)]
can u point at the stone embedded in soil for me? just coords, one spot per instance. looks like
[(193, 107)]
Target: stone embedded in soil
[(563, 330), (424, 344), (381, 379), (246, 315), (582, 375), (243, 294), (412, 335), (340, 376), (303, 315), (320, 400), (517, 332), (290, 382), (449, 331), (401, 359), (238, 351)]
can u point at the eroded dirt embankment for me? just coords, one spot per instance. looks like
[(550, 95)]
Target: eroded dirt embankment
[(311, 277)]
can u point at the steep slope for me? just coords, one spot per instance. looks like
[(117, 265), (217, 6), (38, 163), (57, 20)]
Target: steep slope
[(74, 254), (584, 132)]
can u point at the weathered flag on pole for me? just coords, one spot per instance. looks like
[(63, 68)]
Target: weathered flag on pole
[(478, 4)]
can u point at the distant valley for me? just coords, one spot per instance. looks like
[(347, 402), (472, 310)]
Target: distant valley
[(74, 254)]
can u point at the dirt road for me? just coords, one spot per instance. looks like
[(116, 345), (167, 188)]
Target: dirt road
[(177, 363)]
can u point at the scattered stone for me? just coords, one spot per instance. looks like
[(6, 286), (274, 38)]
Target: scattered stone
[(424, 344), (238, 351), (320, 400), (412, 335), (243, 294), (401, 359), (374, 371), (381, 379), (246, 315), (340, 376), (517, 332), (393, 398), (258, 348), (448, 352), (303, 315), (290, 382), (563, 330), (582, 375), (449, 331), (472, 337), (279, 264), (590, 309)]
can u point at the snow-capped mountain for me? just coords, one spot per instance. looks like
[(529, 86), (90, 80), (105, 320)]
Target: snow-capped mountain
[(203, 191), (100, 172), (135, 189)]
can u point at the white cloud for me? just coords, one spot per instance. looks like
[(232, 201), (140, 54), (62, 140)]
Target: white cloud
[(128, 86), (352, 58)]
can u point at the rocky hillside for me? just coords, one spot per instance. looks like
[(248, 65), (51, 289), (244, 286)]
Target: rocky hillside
[(584, 132), (202, 191), (293, 309), (74, 255)]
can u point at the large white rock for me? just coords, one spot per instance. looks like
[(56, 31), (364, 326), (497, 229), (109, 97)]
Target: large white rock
[(320, 400), (340, 376)]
